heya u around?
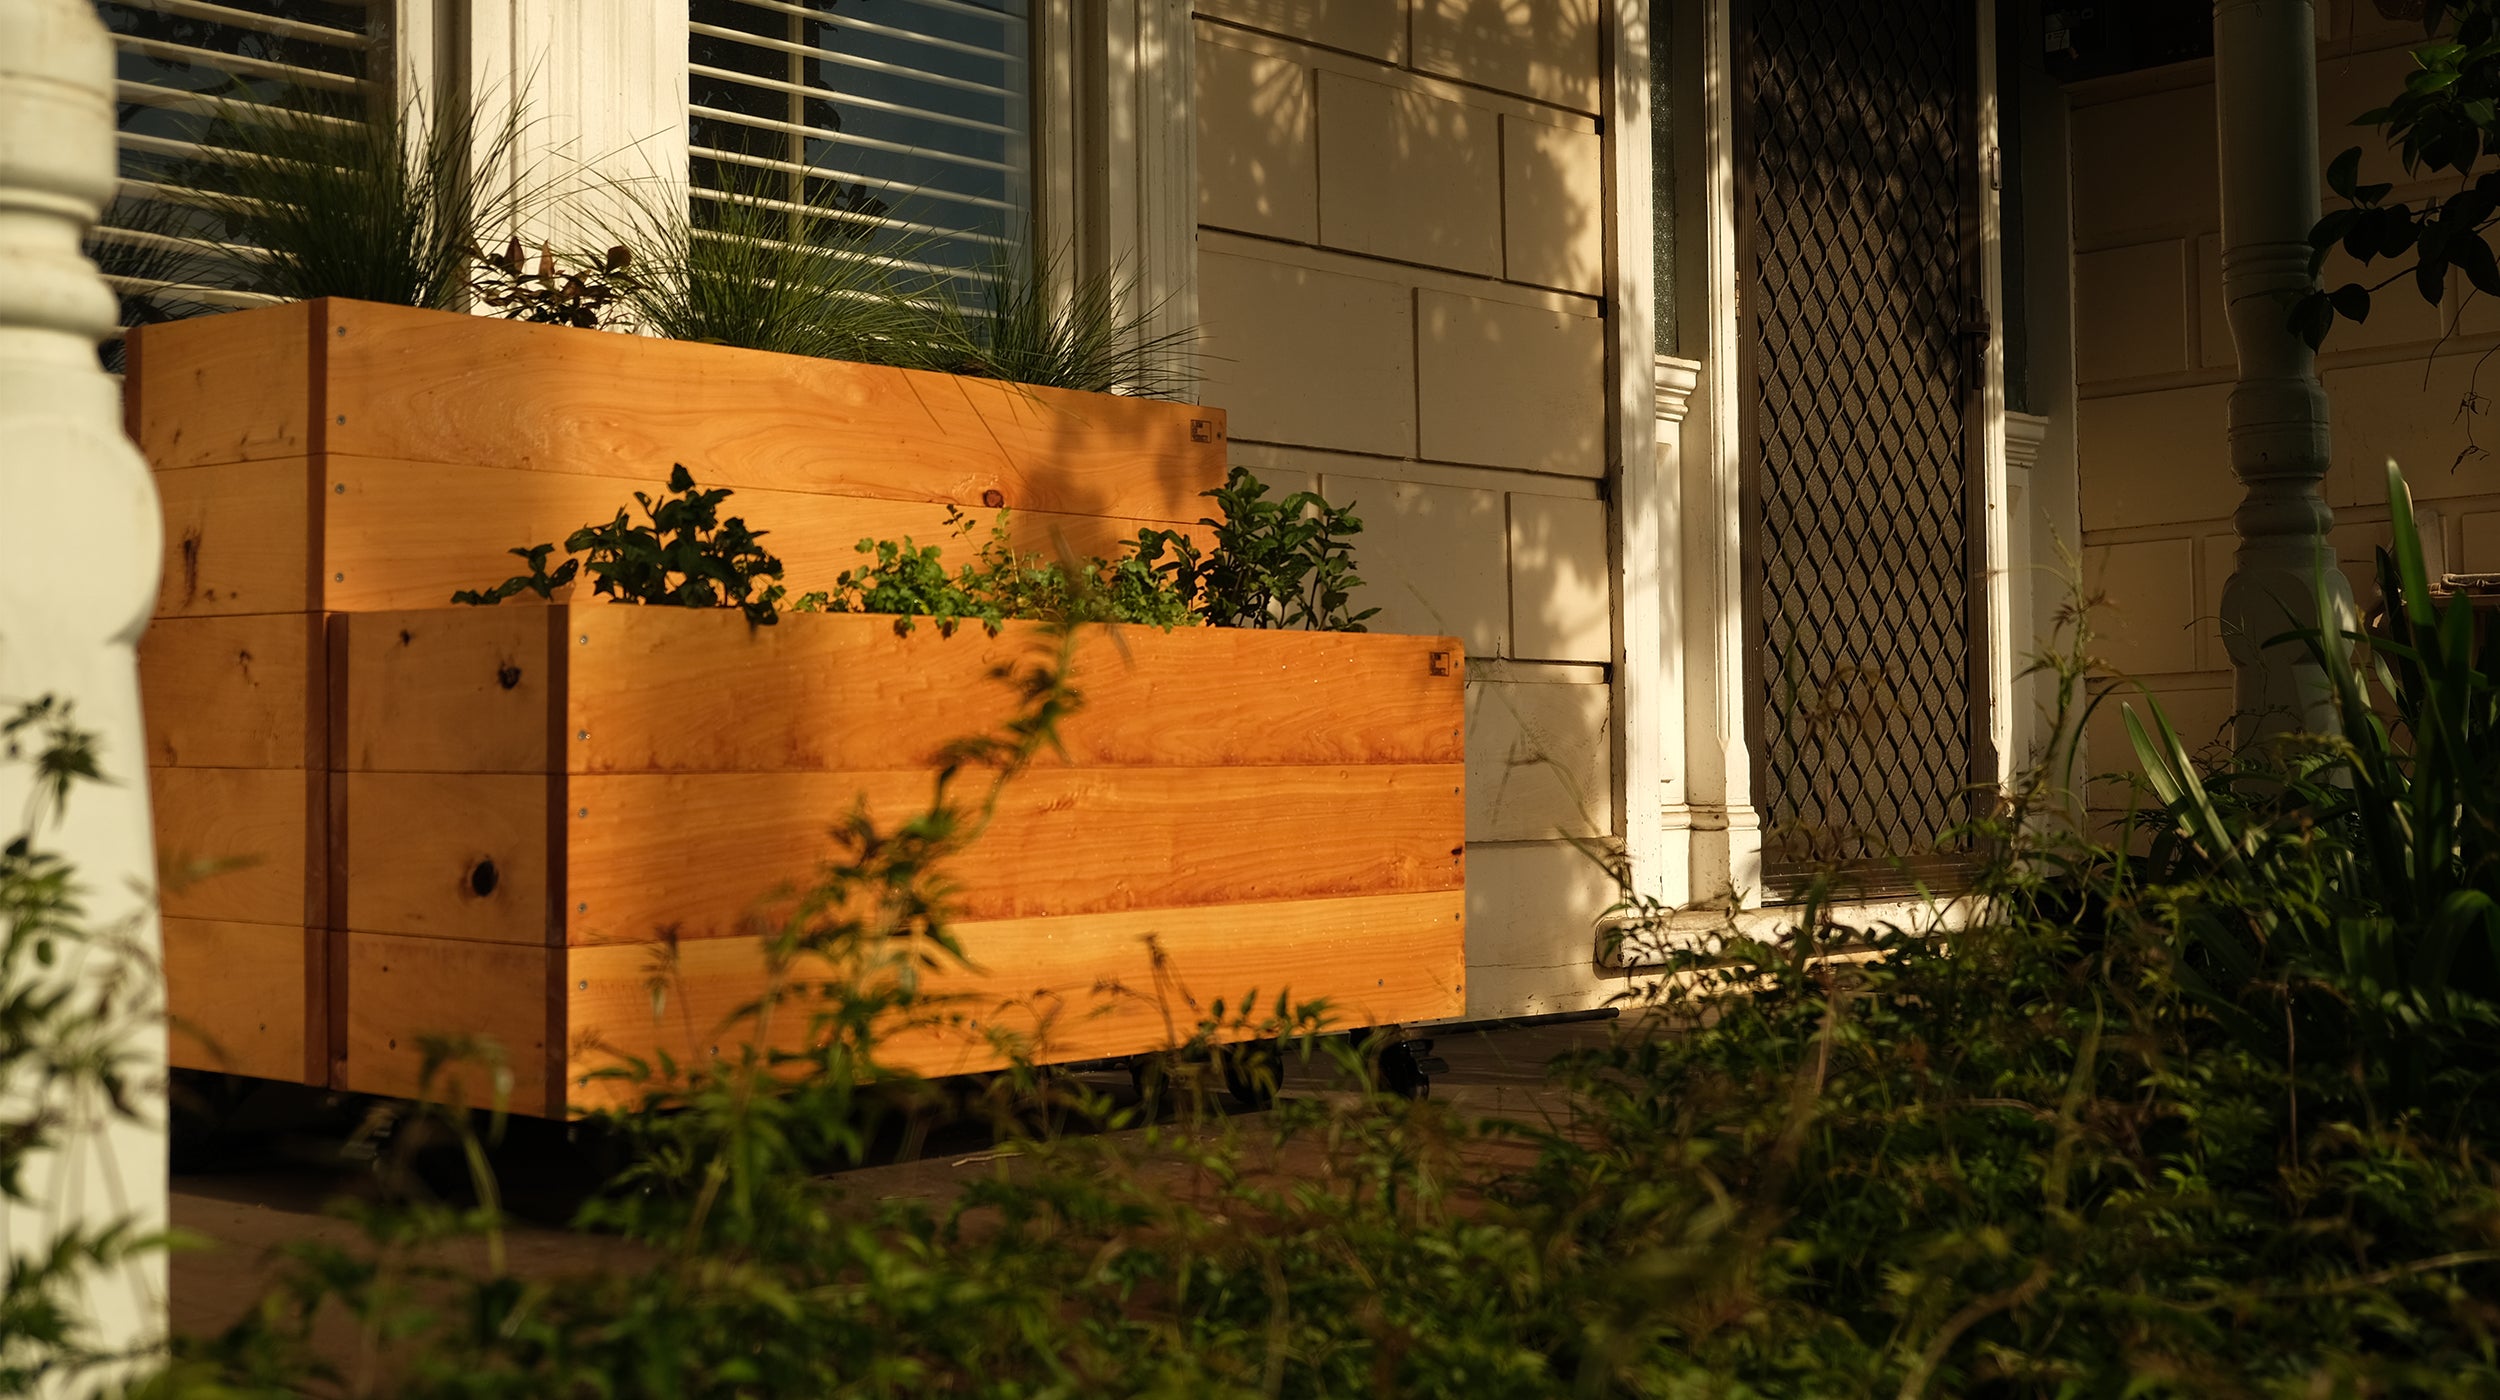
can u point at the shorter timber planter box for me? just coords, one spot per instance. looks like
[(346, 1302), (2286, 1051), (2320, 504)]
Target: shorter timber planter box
[(530, 805)]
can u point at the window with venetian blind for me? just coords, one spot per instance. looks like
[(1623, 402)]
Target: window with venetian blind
[(905, 124), (188, 70)]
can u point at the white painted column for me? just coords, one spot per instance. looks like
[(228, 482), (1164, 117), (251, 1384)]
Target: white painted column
[(80, 544), (601, 88), (1116, 150), (1645, 701), (1725, 829), (2266, 94), (1671, 387)]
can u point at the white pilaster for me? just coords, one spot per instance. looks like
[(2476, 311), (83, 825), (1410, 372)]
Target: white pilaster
[(601, 89), (1645, 684), (2266, 98), (1724, 830), (80, 544)]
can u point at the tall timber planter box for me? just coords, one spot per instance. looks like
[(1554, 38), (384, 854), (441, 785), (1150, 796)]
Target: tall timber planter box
[(328, 462)]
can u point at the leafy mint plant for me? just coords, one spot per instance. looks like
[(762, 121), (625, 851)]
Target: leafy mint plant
[(685, 556), (1281, 563)]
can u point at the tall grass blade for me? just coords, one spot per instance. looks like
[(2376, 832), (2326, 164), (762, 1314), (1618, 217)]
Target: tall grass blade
[(740, 266), (385, 207)]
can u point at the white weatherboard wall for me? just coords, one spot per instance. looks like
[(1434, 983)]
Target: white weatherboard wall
[(1401, 251)]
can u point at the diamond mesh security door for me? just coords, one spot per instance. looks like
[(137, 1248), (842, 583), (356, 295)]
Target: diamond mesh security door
[(1864, 326)]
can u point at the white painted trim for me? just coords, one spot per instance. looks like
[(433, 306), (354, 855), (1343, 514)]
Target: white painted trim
[(1643, 682), (2026, 434), (1116, 139), (1644, 945), (1997, 577), (601, 86), (1721, 828)]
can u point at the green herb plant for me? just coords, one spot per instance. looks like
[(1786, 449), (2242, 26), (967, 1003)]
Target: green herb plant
[(911, 581), (1281, 563), (686, 555)]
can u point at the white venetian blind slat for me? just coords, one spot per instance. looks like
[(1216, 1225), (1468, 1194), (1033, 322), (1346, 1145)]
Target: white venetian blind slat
[(188, 69), (910, 120)]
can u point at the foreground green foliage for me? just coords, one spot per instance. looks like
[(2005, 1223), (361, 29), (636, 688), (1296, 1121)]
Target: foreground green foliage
[(74, 997), (2205, 1112)]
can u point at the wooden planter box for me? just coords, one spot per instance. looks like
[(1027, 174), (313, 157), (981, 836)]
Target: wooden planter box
[(530, 804), (1272, 804)]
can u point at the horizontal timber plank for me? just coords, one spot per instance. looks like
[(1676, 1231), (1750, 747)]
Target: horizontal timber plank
[(847, 692), (239, 538), (244, 845), (229, 388), (435, 387), (244, 999), (235, 692), (690, 691), (487, 1001), (449, 855), (703, 853), (1063, 988), (408, 534), (449, 689)]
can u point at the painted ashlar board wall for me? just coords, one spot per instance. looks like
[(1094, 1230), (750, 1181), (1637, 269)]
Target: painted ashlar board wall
[(1400, 260), (2154, 364)]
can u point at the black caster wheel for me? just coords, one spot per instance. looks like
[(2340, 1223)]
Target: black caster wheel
[(1252, 1071), (1407, 1068)]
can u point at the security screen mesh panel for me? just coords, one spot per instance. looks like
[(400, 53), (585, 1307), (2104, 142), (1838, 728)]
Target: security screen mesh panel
[(187, 72), (898, 124), (1863, 245)]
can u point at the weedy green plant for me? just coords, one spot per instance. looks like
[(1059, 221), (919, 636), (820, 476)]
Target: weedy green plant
[(74, 1002), (685, 556), (1013, 322), (380, 206), (1282, 563), (911, 581), (744, 265)]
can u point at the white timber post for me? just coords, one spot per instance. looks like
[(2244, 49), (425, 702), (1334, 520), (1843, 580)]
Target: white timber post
[(2266, 90), (1724, 826), (1642, 678), (80, 545)]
